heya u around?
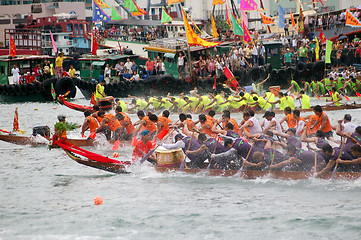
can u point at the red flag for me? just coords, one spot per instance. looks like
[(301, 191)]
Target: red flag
[(322, 37), (12, 48), (234, 84), (94, 46), (228, 73), (92, 100), (16, 121), (215, 82)]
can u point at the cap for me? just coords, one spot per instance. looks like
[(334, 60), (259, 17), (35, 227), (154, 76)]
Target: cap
[(143, 133), (267, 113), (288, 49), (61, 117)]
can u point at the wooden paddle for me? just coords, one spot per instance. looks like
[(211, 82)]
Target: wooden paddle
[(181, 168), (238, 174), (214, 151), (358, 94), (4, 131), (347, 98), (316, 95), (339, 156), (273, 158), (315, 171)]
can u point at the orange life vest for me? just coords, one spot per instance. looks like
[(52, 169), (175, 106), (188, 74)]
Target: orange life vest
[(130, 128), (328, 127), (164, 124), (93, 124), (113, 122), (311, 121), (150, 126), (291, 122), (208, 131)]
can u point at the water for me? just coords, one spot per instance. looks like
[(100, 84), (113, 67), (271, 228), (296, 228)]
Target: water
[(46, 195)]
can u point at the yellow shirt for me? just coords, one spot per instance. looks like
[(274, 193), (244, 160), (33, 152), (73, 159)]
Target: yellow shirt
[(72, 72), (59, 61), (99, 94)]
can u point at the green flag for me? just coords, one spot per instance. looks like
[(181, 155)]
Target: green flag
[(115, 14), (328, 51), (236, 28), (53, 91), (127, 3), (165, 16), (133, 6)]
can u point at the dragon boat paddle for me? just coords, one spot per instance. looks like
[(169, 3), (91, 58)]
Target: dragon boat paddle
[(214, 151), (336, 164), (358, 94), (238, 174), (183, 164), (347, 98), (273, 158), (316, 95)]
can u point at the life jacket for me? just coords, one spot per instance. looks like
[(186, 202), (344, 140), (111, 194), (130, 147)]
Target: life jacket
[(311, 121), (165, 124), (100, 119), (113, 122), (210, 119), (305, 101), (208, 131), (130, 128), (290, 102), (235, 125), (190, 124), (335, 99), (283, 103), (98, 94), (93, 124), (291, 122), (150, 126), (328, 127)]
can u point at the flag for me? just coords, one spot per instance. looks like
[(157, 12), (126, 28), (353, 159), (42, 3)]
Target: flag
[(281, 17), (351, 20), (174, 1), (227, 17), (237, 30), (266, 20), (214, 28), (293, 22), (244, 18), (52, 91), (127, 3), (101, 4), (92, 100), (276, 1), (301, 26), (231, 79), (136, 11), (16, 121), (53, 43), (192, 37), (215, 82), (228, 73), (94, 45), (322, 37), (165, 16), (12, 47), (248, 5), (328, 51), (99, 14), (217, 2), (247, 36), (317, 49), (115, 14)]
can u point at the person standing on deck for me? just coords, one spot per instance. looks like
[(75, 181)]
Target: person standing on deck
[(59, 64), (16, 74), (99, 91)]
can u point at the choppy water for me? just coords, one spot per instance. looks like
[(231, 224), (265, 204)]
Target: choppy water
[(45, 195)]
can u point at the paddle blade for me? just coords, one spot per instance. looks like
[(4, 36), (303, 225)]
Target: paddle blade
[(334, 172), (348, 99), (146, 156), (358, 94), (183, 164), (329, 92), (318, 97), (93, 135), (83, 136), (292, 96), (116, 145), (162, 134), (134, 142)]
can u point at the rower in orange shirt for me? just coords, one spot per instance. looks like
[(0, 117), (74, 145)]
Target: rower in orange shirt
[(109, 124), (291, 122), (226, 117), (146, 123), (206, 126), (325, 122), (89, 123), (142, 147)]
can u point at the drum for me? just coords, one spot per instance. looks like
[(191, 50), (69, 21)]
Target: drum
[(169, 158), (106, 103), (275, 90)]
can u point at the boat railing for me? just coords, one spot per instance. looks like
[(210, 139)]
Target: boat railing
[(48, 44), (169, 44)]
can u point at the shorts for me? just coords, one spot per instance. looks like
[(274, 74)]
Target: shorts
[(328, 134)]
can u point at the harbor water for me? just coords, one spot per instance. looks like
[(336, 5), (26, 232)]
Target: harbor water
[(46, 195)]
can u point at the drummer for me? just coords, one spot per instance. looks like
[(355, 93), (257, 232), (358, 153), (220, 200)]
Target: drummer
[(99, 91)]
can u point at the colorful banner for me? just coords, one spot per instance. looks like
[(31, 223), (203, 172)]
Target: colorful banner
[(53, 43), (94, 45), (267, 20), (322, 37), (16, 121), (136, 11), (127, 3), (248, 5), (237, 29), (99, 14), (246, 34), (301, 27), (328, 51), (192, 37), (317, 49), (228, 21), (101, 4), (244, 18), (174, 1), (293, 22), (165, 16), (217, 2), (214, 28), (351, 20), (281, 17), (115, 14), (12, 47)]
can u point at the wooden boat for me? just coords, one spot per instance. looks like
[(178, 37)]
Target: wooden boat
[(326, 108), (122, 167), (35, 141)]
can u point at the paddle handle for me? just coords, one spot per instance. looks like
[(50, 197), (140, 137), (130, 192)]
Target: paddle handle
[(241, 169), (336, 165), (214, 151), (273, 158), (181, 168), (315, 171)]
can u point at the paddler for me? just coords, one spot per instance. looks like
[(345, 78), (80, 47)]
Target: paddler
[(185, 120), (305, 100), (206, 126), (109, 122), (270, 96), (355, 164), (226, 118), (290, 135), (142, 147), (300, 121), (89, 123), (99, 91), (282, 101), (290, 102), (122, 104), (127, 128), (271, 122), (226, 131), (288, 118), (146, 123), (96, 110), (335, 98), (251, 123), (294, 87), (162, 123), (325, 122)]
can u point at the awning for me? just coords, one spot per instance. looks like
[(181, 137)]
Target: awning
[(99, 63), (169, 55), (116, 57)]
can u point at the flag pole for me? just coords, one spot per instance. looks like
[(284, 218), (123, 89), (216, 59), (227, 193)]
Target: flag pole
[(188, 48)]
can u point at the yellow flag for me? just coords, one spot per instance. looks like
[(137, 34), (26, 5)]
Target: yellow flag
[(217, 2), (317, 49), (214, 28), (101, 4)]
